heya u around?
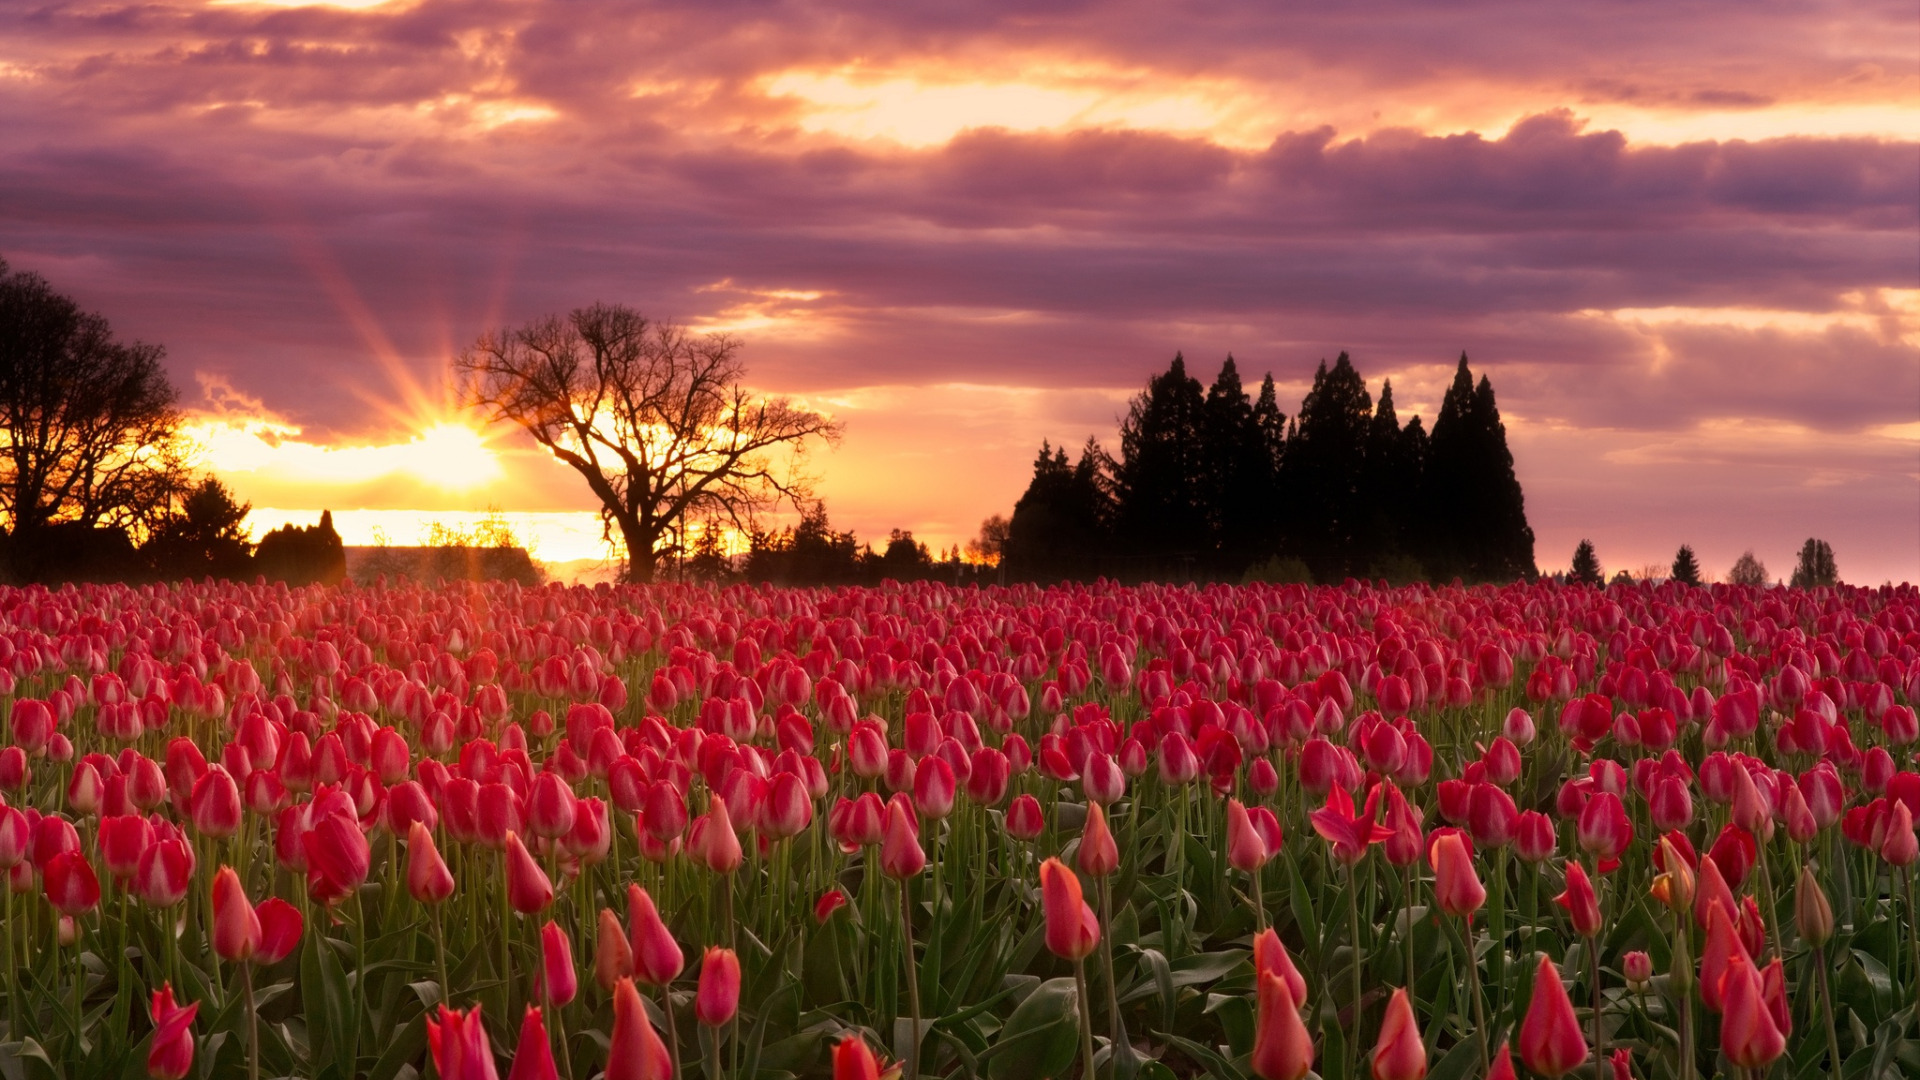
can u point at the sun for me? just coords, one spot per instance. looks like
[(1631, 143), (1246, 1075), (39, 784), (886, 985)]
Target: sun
[(451, 455)]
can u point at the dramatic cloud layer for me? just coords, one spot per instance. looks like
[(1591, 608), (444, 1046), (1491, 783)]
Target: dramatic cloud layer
[(1680, 238)]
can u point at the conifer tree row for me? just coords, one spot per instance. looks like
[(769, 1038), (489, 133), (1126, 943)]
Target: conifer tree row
[(1212, 481)]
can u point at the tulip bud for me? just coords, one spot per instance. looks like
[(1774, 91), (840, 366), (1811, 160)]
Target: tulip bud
[(1550, 1040), (236, 929), (1582, 906), (636, 1052), (1456, 887), (528, 889), (612, 955), (718, 996), (215, 804), (1637, 966), (1812, 915), (558, 982), (1246, 851), (1025, 820), (428, 879), (532, 1057), (1072, 930), (901, 856), (1282, 1048), (459, 1044), (1270, 956), (854, 1060), (1748, 1035), (656, 957), (1399, 1054), (1098, 854), (70, 884), (713, 843)]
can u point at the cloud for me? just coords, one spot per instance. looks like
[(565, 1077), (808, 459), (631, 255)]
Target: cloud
[(1645, 221)]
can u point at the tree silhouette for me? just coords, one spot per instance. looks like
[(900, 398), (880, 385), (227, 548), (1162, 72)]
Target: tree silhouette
[(1324, 466), (1162, 508), (1060, 525), (202, 537), (1815, 567), (1747, 570), (654, 418), (1586, 566), (90, 432), (1686, 569), (303, 554), (1476, 514)]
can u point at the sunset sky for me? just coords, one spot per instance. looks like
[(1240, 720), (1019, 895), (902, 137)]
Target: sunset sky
[(1682, 238)]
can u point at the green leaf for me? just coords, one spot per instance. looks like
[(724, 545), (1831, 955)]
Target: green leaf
[(1197, 968), (1041, 1037), (408, 1044), (1460, 1062), (1217, 1067)]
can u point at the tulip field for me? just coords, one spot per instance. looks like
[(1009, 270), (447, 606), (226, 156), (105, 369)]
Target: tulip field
[(1124, 833)]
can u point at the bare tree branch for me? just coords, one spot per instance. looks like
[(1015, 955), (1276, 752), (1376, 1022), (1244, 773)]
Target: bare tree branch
[(653, 417)]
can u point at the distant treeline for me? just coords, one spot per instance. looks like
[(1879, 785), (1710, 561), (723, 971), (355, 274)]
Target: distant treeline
[(1212, 482), (814, 553)]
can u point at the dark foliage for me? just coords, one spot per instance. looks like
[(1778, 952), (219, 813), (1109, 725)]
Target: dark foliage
[(1586, 566), (1686, 568), (1815, 566), (89, 425), (202, 537), (303, 554), (1221, 485)]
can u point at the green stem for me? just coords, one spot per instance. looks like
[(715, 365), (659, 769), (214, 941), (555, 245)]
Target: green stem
[(1116, 1039), (1593, 971), (1353, 932), (1473, 991), (440, 954), (1826, 1010), (913, 983), (1086, 1020), (253, 1023)]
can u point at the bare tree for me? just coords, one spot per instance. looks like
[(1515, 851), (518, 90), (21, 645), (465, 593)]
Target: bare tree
[(88, 429), (988, 548), (653, 417)]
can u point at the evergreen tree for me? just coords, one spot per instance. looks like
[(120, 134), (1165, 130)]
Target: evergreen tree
[(1162, 511), (1382, 487), (1586, 566), (1815, 567), (1476, 514), (1059, 526), (1272, 519), (1686, 569), (1325, 464), (1239, 476)]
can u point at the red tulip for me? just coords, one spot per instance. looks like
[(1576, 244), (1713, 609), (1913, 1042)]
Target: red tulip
[(1748, 1034), (1246, 851), (1583, 908), (1025, 821), (1723, 947), (215, 804), (70, 883), (1270, 956), (236, 929), (933, 787), (170, 1052), (1348, 832), (1604, 830), (1098, 855), (428, 879), (656, 957), (280, 929), (1456, 887), (15, 836), (532, 1056), (550, 809), (901, 856), (124, 839), (1282, 1048), (789, 808), (1533, 837), (1399, 1054), (1550, 1040), (165, 871), (636, 1052), (1901, 847), (854, 1060), (1502, 1068), (830, 901), (718, 996), (1072, 930), (459, 1044), (1711, 888), (528, 889), (713, 843), (338, 858), (558, 982), (612, 955)]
